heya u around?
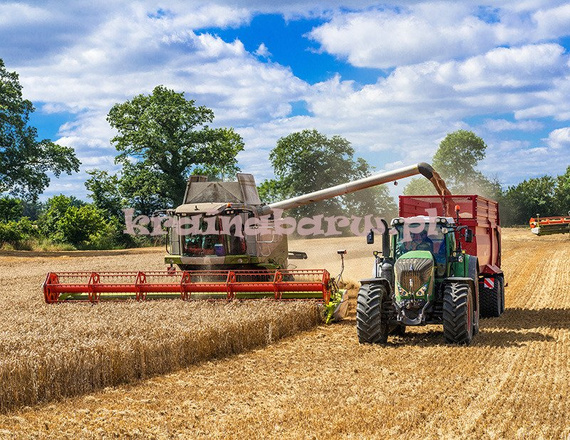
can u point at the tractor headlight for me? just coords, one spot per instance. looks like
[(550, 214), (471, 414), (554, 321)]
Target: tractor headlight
[(422, 290), (401, 291)]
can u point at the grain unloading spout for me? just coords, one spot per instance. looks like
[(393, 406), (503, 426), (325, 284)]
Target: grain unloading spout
[(377, 179)]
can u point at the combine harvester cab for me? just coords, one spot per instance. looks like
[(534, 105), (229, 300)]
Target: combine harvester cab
[(211, 229), (446, 271)]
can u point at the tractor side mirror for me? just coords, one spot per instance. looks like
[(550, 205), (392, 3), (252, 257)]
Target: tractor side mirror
[(468, 235), (370, 237)]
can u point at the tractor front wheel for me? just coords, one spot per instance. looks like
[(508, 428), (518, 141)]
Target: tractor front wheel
[(371, 322), (458, 313)]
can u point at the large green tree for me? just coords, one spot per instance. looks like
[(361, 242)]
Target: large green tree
[(104, 190), (527, 199), (307, 161), (25, 160), (169, 138), (456, 160), (457, 157)]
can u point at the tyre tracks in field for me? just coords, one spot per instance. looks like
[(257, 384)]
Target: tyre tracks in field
[(534, 380)]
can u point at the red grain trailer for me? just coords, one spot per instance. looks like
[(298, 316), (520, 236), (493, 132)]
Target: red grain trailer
[(481, 216)]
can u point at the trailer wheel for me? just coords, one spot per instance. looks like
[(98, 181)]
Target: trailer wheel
[(371, 321), (490, 300), (458, 313)]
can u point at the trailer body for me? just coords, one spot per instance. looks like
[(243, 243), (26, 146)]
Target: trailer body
[(479, 214)]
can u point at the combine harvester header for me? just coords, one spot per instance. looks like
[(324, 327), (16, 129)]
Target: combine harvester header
[(222, 265), (188, 285)]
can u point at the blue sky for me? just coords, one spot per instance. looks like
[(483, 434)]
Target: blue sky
[(393, 78)]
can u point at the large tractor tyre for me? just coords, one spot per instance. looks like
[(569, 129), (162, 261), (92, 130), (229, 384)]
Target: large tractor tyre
[(371, 320), (490, 300), (458, 313)]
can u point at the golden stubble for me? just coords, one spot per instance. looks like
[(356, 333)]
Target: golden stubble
[(512, 382)]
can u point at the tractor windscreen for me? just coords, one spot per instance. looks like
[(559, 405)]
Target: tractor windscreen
[(421, 237)]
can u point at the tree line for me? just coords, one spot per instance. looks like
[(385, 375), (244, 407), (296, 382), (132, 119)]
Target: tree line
[(162, 138)]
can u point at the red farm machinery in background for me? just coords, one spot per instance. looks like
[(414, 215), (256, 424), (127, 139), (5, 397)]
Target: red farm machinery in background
[(550, 225)]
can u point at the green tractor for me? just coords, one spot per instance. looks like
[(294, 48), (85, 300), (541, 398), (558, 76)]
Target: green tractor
[(422, 277)]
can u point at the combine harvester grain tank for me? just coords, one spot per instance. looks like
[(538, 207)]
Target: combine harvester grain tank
[(224, 265)]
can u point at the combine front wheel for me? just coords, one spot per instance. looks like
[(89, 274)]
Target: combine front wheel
[(371, 323)]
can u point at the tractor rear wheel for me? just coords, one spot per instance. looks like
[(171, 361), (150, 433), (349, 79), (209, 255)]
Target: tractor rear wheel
[(458, 313), (490, 300), (371, 321)]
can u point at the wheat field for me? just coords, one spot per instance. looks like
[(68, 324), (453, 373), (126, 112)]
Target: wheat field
[(512, 382), (52, 351)]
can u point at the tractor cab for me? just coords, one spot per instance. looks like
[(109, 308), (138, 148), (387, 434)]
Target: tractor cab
[(425, 234)]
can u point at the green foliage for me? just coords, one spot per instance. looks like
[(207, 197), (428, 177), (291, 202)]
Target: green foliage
[(527, 199), (80, 224), (169, 137), (17, 232), (55, 209), (104, 190), (271, 191), (307, 161), (106, 235), (419, 186), (142, 188), (68, 220), (10, 209), (376, 201), (24, 160), (562, 193), (456, 160)]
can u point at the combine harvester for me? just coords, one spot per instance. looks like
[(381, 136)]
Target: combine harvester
[(216, 265), (550, 225)]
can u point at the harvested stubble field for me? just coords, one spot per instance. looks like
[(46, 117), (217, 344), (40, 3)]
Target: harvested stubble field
[(511, 383)]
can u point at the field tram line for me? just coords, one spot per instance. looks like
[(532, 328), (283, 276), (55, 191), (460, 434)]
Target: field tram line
[(513, 393)]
